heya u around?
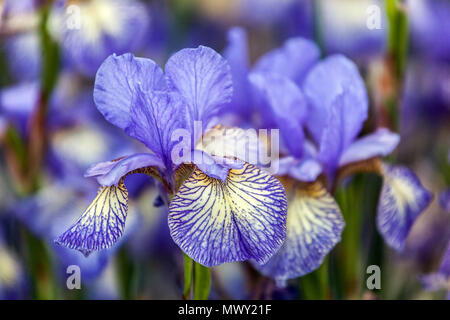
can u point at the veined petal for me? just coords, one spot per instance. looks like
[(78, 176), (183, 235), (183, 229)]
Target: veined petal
[(286, 106), (102, 224), (332, 142), (155, 115), (327, 80), (203, 79), (314, 227), (342, 125), (380, 143), (292, 60), (215, 222), (402, 199), (109, 173), (116, 83)]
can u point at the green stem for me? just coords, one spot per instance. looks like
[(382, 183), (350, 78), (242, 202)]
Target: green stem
[(314, 286), (126, 271), (350, 203), (398, 35), (188, 268), (38, 259), (398, 39), (197, 278), (202, 281)]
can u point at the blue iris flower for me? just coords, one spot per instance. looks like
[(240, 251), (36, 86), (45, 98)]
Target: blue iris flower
[(320, 108), (89, 31), (21, 48), (224, 211)]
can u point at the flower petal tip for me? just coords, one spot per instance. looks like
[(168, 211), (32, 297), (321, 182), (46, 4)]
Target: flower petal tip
[(314, 227), (101, 225)]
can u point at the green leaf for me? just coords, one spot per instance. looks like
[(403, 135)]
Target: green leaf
[(188, 266), (398, 34), (202, 282)]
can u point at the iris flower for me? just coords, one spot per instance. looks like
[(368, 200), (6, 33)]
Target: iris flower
[(89, 31), (222, 210), (320, 108)]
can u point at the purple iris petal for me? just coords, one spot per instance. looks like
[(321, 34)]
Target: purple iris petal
[(293, 60), (101, 225), (314, 226), (154, 117), (325, 82), (380, 143), (306, 170), (444, 200), (215, 167), (23, 53), (335, 136), (441, 278), (117, 82), (402, 199), (203, 79), (109, 173), (216, 222), (286, 106), (237, 55)]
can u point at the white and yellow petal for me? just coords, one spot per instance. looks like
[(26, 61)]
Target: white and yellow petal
[(243, 217), (102, 224), (314, 227)]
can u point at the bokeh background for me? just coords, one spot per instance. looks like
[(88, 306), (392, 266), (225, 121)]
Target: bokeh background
[(51, 132)]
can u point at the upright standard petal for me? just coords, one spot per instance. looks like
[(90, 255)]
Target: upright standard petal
[(238, 57), (102, 224), (380, 143), (340, 130), (314, 227), (216, 222), (286, 106), (402, 199), (327, 80), (117, 81), (203, 79), (154, 116), (292, 60)]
